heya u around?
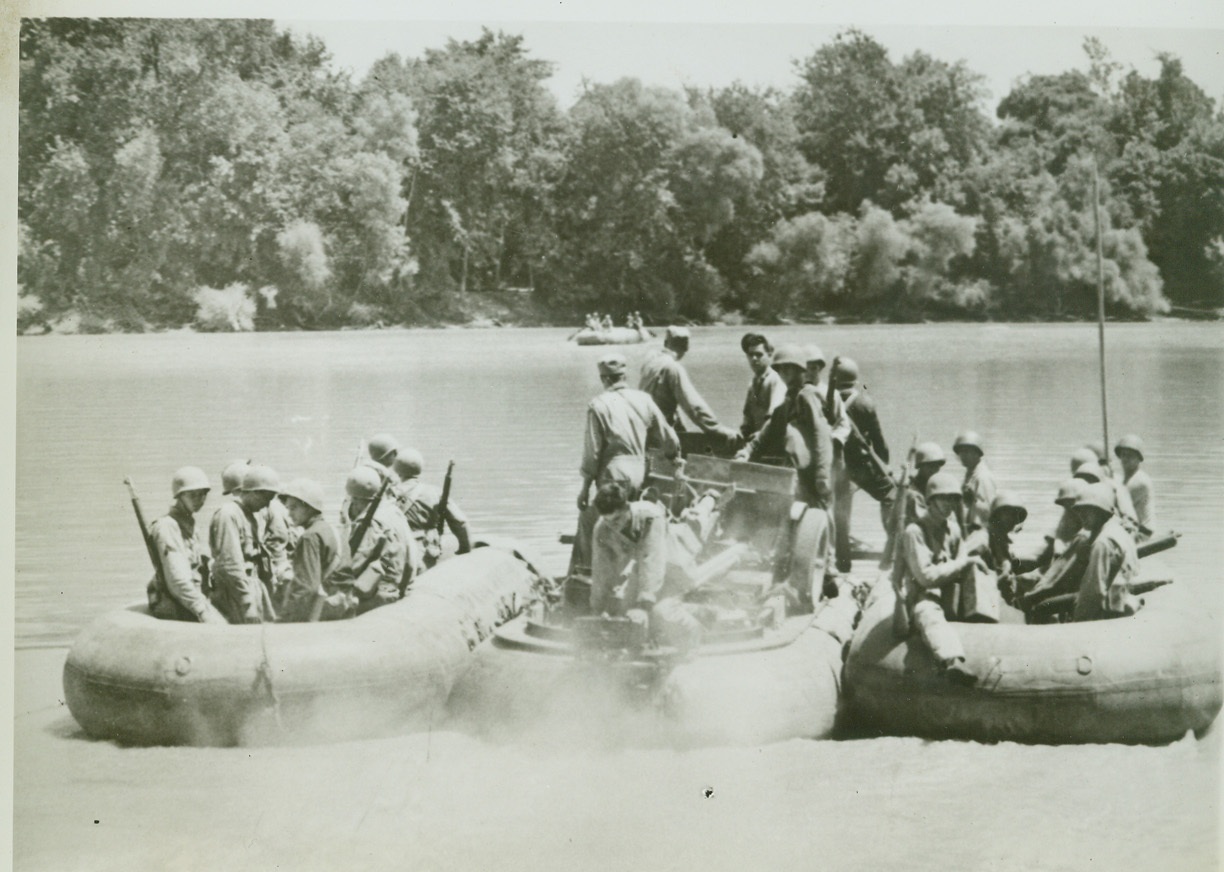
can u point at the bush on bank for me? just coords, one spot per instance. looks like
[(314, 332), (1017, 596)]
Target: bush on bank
[(165, 164)]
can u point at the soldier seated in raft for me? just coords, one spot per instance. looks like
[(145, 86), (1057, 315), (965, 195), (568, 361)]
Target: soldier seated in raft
[(320, 587), (177, 591)]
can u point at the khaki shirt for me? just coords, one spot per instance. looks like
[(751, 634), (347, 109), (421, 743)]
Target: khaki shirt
[(621, 423), (319, 557), (239, 565), (1112, 565), (978, 491), (668, 383), (181, 596), (640, 538), (930, 549)]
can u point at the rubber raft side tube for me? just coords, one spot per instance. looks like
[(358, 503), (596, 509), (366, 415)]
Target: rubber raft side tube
[(1144, 679), (140, 680)]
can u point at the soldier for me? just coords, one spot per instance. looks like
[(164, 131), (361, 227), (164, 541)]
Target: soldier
[(383, 449), (633, 535), (320, 559), (1129, 451), (177, 592), (767, 390), (620, 424), (978, 488), (928, 460), (934, 558), (1085, 465), (1056, 568), (381, 569), (1112, 562), (993, 543), (421, 503), (667, 381), (241, 570), (277, 531), (866, 456)]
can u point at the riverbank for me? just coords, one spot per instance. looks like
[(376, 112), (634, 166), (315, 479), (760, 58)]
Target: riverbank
[(449, 801), (519, 308)]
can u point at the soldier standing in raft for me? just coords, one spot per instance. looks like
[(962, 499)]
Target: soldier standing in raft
[(421, 504), (620, 424), (934, 558), (176, 592), (978, 488), (1129, 452), (319, 558), (241, 570), (667, 381), (866, 456), (1112, 562)]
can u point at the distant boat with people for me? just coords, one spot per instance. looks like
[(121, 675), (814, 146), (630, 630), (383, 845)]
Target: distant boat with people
[(600, 330)]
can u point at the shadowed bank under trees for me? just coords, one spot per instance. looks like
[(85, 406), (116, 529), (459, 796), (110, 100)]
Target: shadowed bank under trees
[(220, 173)]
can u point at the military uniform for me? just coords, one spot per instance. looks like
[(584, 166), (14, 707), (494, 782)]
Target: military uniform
[(1139, 488), (388, 541), (620, 423), (178, 594), (978, 491), (1111, 565), (278, 543), (241, 573), (667, 382), (860, 470), (419, 503), (320, 559), (931, 549)]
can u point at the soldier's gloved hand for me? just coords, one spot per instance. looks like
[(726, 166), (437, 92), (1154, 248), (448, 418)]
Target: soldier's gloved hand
[(743, 454), (210, 615), (582, 501)]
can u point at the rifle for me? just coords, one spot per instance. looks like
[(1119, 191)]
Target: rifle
[(446, 489), (355, 540), (828, 405), (144, 533), (900, 609)]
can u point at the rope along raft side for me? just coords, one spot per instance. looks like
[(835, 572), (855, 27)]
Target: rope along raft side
[(140, 680)]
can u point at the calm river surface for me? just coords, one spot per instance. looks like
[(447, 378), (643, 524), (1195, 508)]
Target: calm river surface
[(507, 406)]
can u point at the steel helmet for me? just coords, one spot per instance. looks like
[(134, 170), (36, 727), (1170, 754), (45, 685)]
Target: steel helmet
[(231, 476), (1099, 495), (789, 355), (409, 463), (1098, 451), (968, 439), (1080, 456), (847, 373), (261, 478), (306, 491), (1070, 491), (1130, 442), (929, 452), (189, 478), (943, 484), (1008, 501), (813, 354), (363, 483), (381, 446), (1090, 472)]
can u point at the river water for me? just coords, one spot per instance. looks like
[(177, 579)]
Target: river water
[(507, 406)]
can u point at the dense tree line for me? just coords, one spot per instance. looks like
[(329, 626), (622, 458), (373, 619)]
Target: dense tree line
[(221, 172)]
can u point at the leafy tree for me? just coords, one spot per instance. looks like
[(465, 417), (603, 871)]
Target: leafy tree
[(884, 132)]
